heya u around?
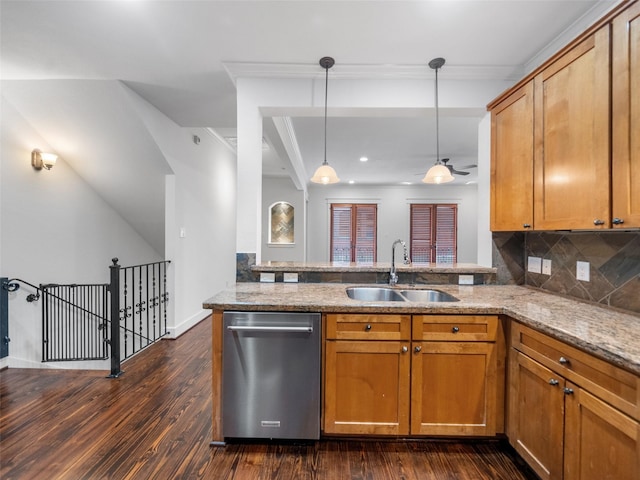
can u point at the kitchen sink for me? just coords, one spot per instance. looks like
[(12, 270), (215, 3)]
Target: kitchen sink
[(427, 295), (386, 294), (374, 294)]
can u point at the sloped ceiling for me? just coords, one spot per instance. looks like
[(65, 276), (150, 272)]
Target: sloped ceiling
[(94, 127)]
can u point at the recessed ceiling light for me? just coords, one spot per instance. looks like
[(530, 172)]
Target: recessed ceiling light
[(364, 159), (352, 181), (406, 183)]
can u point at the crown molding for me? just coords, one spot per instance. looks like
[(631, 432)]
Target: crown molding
[(237, 70)]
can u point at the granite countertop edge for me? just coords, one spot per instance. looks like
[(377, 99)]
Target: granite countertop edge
[(372, 267), (604, 332)]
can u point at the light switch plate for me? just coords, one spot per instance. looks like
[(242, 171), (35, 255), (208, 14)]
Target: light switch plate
[(465, 279), (267, 277), (290, 277), (546, 266), (534, 265), (582, 271)]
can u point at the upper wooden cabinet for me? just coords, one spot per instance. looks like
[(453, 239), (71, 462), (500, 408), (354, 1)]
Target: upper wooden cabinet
[(512, 161), (571, 131), (565, 142), (626, 118)]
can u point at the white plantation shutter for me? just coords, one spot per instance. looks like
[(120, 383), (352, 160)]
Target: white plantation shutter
[(433, 233), (353, 232)]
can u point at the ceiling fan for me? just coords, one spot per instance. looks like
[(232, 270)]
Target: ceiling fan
[(453, 170)]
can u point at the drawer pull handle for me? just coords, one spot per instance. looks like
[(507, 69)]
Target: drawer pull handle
[(417, 349), (564, 361), (526, 225), (553, 382), (598, 221), (368, 327), (568, 391), (455, 329), (617, 221), (405, 349)]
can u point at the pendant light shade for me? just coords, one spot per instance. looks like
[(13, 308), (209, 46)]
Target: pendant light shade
[(325, 173), (439, 173)]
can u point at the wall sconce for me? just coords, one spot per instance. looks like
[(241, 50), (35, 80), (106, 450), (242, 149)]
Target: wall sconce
[(40, 160)]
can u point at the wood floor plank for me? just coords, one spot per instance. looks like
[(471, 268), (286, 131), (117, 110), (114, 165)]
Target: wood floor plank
[(154, 422)]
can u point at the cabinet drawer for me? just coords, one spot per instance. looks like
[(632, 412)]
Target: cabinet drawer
[(612, 384), (361, 326), (455, 328)]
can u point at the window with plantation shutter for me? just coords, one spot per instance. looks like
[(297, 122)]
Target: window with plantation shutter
[(353, 232), (433, 233)]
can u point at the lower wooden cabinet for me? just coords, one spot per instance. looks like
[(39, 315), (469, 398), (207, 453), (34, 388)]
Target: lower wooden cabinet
[(367, 388), (559, 421), (453, 388), (426, 375)]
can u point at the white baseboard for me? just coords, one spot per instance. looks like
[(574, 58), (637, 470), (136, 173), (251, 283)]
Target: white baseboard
[(176, 331)]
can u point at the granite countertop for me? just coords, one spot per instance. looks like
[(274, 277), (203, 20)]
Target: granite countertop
[(607, 333), (370, 267)]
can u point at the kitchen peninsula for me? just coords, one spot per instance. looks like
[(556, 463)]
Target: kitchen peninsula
[(586, 352)]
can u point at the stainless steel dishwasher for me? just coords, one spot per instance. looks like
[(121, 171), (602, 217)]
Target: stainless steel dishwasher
[(271, 375)]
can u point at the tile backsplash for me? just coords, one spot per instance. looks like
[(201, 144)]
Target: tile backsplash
[(614, 259)]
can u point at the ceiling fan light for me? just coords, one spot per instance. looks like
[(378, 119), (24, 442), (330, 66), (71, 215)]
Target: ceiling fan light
[(325, 174), (438, 174)]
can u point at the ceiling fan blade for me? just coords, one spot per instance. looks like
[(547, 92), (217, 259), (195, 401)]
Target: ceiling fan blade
[(456, 172), (469, 166)]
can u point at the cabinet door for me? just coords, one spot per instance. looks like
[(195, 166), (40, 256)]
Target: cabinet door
[(601, 443), (512, 162), (536, 415), (572, 121), (366, 388), (626, 118), (453, 388)]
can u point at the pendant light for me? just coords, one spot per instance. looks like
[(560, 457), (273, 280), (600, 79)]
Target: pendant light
[(439, 173), (325, 174)]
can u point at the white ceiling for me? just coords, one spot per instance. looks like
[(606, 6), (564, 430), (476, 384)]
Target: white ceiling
[(173, 54)]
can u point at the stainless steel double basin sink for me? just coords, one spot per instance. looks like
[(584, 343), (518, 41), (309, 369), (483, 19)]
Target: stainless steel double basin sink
[(388, 294)]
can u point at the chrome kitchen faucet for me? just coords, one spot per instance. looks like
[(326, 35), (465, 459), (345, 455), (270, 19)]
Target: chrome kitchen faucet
[(393, 277)]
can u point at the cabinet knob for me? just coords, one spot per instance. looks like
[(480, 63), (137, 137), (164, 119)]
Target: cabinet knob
[(455, 329), (564, 361), (568, 391), (617, 221), (597, 221), (526, 225), (368, 327), (405, 349), (417, 349), (553, 382)]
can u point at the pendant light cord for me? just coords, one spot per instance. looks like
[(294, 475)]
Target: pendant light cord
[(326, 89), (437, 123)]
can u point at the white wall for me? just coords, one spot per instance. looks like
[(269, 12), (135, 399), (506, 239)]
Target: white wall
[(55, 229), (277, 190), (393, 214), (201, 203)]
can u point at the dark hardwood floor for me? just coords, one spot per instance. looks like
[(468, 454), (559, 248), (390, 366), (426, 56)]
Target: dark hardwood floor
[(155, 422)]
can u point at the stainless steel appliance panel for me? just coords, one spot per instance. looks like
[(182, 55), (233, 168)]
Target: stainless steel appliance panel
[(271, 375)]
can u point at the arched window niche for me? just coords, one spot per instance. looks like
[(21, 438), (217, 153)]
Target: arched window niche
[(281, 215)]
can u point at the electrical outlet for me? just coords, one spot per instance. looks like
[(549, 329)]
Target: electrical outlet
[(546, 266), (290, 277), (534, 265), (465, 279), (582, 271), (266, 277)]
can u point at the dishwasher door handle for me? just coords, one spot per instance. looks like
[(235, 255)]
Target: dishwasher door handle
[(265, 328)]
